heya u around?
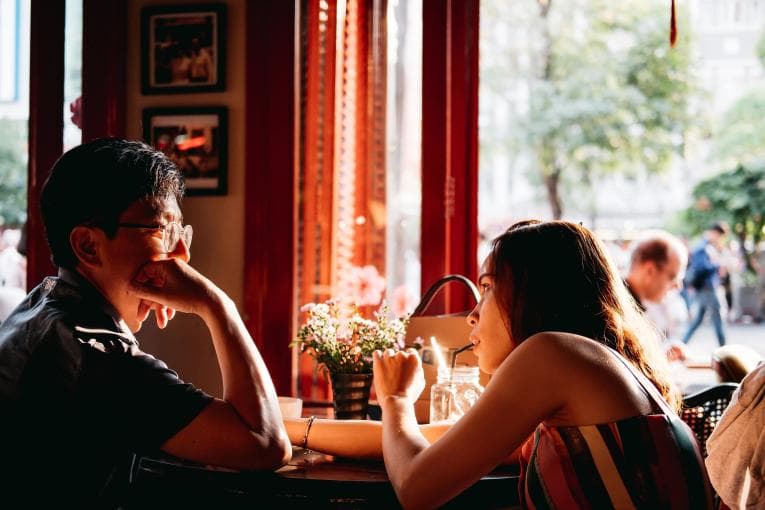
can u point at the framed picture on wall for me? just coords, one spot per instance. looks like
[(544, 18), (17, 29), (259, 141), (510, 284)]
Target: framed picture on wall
[(195, 138), (183, 49)]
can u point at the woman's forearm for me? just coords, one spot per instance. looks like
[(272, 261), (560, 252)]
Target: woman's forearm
[(356, 439), (402, 440)]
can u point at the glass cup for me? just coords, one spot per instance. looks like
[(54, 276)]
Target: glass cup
[(455, 391)]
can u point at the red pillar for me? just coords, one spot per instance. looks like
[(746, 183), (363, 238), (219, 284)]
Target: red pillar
[(270, 185), (103, 68), (450, 147), (46, 124)]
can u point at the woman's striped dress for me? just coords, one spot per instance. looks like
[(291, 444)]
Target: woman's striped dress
[(651, 462), (641, 462)]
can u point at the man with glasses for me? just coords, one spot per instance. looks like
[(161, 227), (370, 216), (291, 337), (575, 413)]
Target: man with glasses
[(77, 395)]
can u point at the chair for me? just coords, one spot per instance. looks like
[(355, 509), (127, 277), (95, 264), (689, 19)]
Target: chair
[(732, 362), (702, 410)]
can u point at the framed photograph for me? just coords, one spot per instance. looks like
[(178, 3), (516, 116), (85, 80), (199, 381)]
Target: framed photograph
[(195, 139), (183, 49)]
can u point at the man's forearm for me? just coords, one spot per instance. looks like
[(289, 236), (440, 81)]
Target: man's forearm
[(247, 385)]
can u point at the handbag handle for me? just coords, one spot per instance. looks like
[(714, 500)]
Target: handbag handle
[(427, 298)]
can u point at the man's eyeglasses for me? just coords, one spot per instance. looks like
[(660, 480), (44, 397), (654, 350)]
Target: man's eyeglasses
[(171, 233)]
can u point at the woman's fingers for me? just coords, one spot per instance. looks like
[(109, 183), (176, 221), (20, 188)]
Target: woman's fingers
[(397, 373)]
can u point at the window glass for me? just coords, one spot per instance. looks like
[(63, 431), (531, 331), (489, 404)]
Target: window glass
[(73, 74), (586, 113), (404, 134), (14, 116)]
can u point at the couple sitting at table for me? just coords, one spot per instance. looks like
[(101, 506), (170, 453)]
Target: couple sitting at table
[(578, 395)]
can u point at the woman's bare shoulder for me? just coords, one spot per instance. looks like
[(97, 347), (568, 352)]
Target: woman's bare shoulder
[(568, 355), (578, 368), (561, 350), (542, 356)]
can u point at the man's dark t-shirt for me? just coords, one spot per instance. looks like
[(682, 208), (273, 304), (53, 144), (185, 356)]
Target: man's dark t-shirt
[(77, 396)]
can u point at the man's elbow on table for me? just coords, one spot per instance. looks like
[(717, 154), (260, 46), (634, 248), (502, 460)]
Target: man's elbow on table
[(267, 446), (276, 452), (260, 453), (219, 437)]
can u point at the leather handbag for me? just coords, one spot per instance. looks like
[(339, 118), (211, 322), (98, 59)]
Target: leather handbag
[(451, 332)]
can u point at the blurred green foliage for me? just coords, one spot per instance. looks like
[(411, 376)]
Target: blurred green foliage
[(591, 88), (736, 197), (612, 96), (761, 49), (13, 172), (740, 136)]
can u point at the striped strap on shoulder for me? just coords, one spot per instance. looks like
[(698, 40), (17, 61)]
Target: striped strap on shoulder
[(698, 486)]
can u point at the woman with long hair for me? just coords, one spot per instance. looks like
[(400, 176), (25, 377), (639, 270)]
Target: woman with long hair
[(578, 390)]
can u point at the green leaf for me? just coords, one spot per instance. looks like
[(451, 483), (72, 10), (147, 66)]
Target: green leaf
[(13, 172)]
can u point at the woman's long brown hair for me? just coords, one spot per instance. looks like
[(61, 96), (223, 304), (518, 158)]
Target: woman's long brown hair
[(556, 276)]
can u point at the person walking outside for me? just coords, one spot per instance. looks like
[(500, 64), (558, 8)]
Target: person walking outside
[(703, 276)]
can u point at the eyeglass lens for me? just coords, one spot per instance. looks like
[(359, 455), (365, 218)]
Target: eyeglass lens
[(174, 232)]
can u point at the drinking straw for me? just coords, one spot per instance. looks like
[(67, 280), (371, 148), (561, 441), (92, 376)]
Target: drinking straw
[(461, 349), (442, 364), (437, 352)]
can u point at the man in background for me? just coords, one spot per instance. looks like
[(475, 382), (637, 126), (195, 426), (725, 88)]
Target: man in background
[(657, 266)]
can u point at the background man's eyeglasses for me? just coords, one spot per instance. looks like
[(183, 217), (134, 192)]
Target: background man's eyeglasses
[(171, 233)]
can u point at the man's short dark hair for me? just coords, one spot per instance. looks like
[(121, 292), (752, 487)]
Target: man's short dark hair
[(719, 227), (654, 250), (93, 184), (656, 247)]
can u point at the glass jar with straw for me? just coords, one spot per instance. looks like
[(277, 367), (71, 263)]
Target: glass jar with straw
[(456, 390)]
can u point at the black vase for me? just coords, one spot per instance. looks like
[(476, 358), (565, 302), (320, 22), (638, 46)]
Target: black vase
[(351, 395)]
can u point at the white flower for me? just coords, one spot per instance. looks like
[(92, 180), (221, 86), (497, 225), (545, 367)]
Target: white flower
[(342, 340), (322, 309)]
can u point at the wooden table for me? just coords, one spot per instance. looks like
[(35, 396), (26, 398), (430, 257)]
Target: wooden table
[(310, 480), (691, 376)]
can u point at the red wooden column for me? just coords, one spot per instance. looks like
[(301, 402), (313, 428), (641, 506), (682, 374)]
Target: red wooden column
[(270, 184), (46, 103), (449, 146), (103, 68)]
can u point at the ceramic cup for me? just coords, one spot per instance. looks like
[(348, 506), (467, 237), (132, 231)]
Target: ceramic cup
[(291, 407)]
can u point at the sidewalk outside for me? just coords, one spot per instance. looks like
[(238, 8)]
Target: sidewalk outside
[(704, 342)]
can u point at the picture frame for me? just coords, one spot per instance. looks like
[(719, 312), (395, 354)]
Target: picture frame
[(195, 139), (183, 49)]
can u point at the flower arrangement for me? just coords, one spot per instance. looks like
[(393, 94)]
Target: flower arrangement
[(342, 341)]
